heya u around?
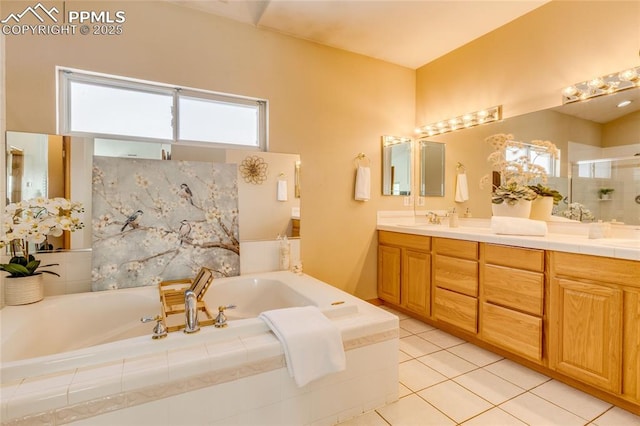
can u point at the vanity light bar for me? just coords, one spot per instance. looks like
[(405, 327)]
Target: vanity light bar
[(604, 85), (471, 119)]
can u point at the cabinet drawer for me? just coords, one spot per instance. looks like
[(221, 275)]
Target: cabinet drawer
[(596, 268), (456, 248), (514, 288), (416, 242), (456, 309), (515, 257), (456, 274), (517, 332)]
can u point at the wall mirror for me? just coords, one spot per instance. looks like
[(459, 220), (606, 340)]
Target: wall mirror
[(397, 163), (56, 166), (594, 130), (431, 168)]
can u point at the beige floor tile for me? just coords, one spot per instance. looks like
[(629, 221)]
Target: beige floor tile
[(494, 417), (402, 357), (474, 354), (578, 402), (404, 333), (441, 338), (536, 411), (617, 417), (447, 363), (413, 411), (416, 346), (517, 374), (416, 376), (489, 386), (399, 314), (367, 419), (415, 326), (403, 390), (455, 401)]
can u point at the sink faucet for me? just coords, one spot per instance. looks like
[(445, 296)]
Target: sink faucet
[(191, 312), (433, 218)]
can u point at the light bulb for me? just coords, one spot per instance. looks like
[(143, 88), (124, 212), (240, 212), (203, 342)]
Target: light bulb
[(628, 75)]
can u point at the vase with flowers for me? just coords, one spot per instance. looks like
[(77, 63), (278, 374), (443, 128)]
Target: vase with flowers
[(515, 161), (30, 222)]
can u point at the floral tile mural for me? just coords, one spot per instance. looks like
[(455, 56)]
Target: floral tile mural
[(161, 220)]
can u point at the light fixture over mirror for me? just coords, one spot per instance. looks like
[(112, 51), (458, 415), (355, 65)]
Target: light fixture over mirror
[(605, 85), (471, 119)]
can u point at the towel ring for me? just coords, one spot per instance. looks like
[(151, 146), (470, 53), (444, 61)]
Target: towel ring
[(460, 167), (362, 158)]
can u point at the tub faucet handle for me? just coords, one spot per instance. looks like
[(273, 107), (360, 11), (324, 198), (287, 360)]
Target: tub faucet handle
[(159, 330), (221, 319)]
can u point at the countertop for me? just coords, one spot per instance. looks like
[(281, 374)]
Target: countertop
[(620, 248)]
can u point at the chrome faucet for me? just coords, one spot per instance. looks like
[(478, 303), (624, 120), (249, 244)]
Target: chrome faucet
[(159, 331), (191, 312), (221, 319), (433, 218)]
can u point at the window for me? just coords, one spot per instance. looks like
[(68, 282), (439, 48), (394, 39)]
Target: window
[(114, 107), (536, 155)]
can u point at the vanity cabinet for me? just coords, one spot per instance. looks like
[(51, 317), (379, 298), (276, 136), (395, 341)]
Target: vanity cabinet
[(404, 271), (594, 314), (512, 299), (455, 283)]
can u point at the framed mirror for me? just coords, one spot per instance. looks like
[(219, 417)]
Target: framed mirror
[(431, 168), (397, 160)]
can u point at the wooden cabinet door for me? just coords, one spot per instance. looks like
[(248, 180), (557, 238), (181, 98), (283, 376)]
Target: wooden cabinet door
[(416, 278), (389, 268), (585, 330)]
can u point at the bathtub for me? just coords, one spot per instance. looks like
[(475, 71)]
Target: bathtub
[(87, 358)]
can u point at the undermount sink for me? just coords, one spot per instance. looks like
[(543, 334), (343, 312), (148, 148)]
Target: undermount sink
[(622, 243)]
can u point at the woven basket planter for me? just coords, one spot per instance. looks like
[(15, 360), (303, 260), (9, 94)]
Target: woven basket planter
[(23, 290)]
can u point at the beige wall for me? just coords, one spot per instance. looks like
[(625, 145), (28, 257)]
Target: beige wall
[(325, 104), (623, 131)]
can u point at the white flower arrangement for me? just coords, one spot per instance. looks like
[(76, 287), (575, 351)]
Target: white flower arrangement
[(31, 221), (519, 174)]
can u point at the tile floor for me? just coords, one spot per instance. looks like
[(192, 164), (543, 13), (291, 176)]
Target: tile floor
[(447, 381)]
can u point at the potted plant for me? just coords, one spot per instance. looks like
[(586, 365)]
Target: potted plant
[(31, 221), (605, 193), (542, 205), (513, 196)]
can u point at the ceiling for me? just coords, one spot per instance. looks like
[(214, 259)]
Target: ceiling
[(409, 33)]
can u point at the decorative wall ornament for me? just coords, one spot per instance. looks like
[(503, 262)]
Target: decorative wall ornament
[(254, 170), (161, 220)]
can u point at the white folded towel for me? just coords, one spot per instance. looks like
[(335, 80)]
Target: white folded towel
[(312, 343), (282, 190), (462, 188), (363, 183), (518, 226)]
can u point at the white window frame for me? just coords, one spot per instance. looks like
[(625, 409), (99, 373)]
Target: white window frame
[(533, 150), (67, 75)]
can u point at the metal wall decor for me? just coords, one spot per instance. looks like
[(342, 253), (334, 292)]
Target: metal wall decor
[(254, 170)]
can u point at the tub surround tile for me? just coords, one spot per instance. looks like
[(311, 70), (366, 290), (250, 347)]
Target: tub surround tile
[(225, 354), (90, 390), (105, 408), (25, 404), (187, 362), (144, 371)]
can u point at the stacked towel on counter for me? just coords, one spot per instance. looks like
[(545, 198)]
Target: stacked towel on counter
[(462, 188), (518, 226), (312, 343), (363, 183)]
